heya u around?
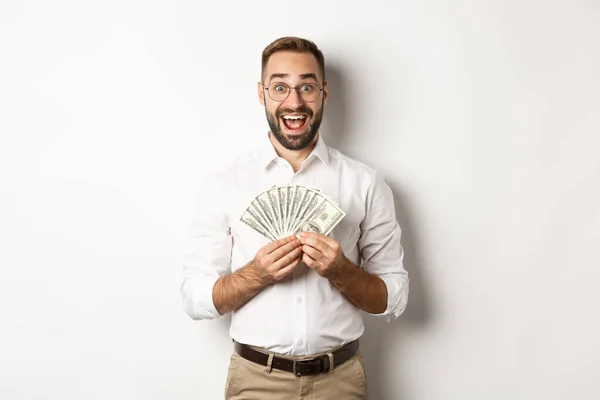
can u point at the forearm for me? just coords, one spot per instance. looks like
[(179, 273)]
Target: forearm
[(271, 264), (367, 292), (232, 291)]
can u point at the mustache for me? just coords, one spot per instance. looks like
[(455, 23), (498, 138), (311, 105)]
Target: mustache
[(303, 110)]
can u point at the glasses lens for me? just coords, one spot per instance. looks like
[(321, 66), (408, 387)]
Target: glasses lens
[(308, 91), (278, 91)]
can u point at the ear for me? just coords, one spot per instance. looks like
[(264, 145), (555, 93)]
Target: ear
[(261, 93), (325, 92)]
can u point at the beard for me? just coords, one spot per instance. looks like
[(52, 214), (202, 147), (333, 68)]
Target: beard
[(300, 141)]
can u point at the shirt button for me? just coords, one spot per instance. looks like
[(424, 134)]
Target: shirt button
[(299, 299), (301, 343)]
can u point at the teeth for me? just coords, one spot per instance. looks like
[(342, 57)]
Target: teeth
[(294, 117)]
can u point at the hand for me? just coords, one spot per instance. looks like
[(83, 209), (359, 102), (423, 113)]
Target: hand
[(322, 253), (277, 259)]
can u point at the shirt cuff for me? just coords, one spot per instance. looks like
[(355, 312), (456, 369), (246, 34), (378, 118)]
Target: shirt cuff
[(395, 305), (198, 299)]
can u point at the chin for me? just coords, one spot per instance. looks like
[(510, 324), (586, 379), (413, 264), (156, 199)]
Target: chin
[(298, 139), (293, 140)]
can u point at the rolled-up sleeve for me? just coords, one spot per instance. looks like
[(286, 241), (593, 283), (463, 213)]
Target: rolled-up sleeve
[(381, 251), (208, 253)]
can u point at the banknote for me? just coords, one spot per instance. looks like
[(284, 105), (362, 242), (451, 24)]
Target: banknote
[(251, 221), (284, 210)]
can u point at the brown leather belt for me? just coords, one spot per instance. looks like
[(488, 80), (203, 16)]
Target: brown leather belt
[(310, 366)]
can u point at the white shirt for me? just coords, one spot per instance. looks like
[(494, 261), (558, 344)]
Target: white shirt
[(304, 313)]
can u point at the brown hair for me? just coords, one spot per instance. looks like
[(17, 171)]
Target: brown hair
[(296, 44)]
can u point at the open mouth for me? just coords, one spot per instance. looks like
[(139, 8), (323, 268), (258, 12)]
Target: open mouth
[(294, 122)]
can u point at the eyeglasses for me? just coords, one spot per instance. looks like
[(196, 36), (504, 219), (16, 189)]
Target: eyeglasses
[(279, 91)]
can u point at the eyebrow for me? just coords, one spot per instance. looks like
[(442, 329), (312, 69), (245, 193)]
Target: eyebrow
[(302, 76)]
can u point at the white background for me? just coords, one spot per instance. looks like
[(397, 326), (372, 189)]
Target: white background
[(484, 116)]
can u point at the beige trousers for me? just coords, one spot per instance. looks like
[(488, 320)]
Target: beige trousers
[(247, 380)]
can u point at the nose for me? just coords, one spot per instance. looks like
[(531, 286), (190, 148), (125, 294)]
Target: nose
[(294, 100)]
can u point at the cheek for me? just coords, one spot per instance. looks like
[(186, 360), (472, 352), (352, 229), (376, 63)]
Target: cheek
[(316, 112), (272, 111)]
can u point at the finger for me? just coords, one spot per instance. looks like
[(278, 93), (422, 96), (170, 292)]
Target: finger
[(315, 254), (287, 259), (308, 260), (269, 248), (320, 245), (285, 249), (314, 235), (287, 269), (331, 242), (316, 244), (328, 246)]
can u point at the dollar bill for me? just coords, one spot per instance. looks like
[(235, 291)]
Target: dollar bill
[(251, 221), (282, 202), (322, 219), (295, 203), (313, 199), (261, 217), (274, 202), (285, 210), (264, 202), (288, 207)]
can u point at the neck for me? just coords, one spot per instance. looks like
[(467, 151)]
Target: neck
[(294, 157)]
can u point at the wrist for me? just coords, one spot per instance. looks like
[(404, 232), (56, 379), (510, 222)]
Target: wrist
[(255, 276), (342, 272)]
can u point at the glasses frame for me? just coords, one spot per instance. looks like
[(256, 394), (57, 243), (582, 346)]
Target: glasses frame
[(290, 88)]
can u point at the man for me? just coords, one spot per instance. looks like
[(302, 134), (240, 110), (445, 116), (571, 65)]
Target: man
[(296, 301)]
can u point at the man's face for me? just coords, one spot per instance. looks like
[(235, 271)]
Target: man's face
[(294, 121)]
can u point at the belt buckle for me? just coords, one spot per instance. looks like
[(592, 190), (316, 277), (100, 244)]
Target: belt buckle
[(316, 362)]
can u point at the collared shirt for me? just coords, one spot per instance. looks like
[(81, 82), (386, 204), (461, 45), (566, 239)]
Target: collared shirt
[(304, 313)]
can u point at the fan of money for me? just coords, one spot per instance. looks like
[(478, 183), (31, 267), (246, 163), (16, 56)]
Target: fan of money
[(287, 210)]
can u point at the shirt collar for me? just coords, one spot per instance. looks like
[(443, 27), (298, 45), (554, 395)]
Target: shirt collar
[(269, 155)]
